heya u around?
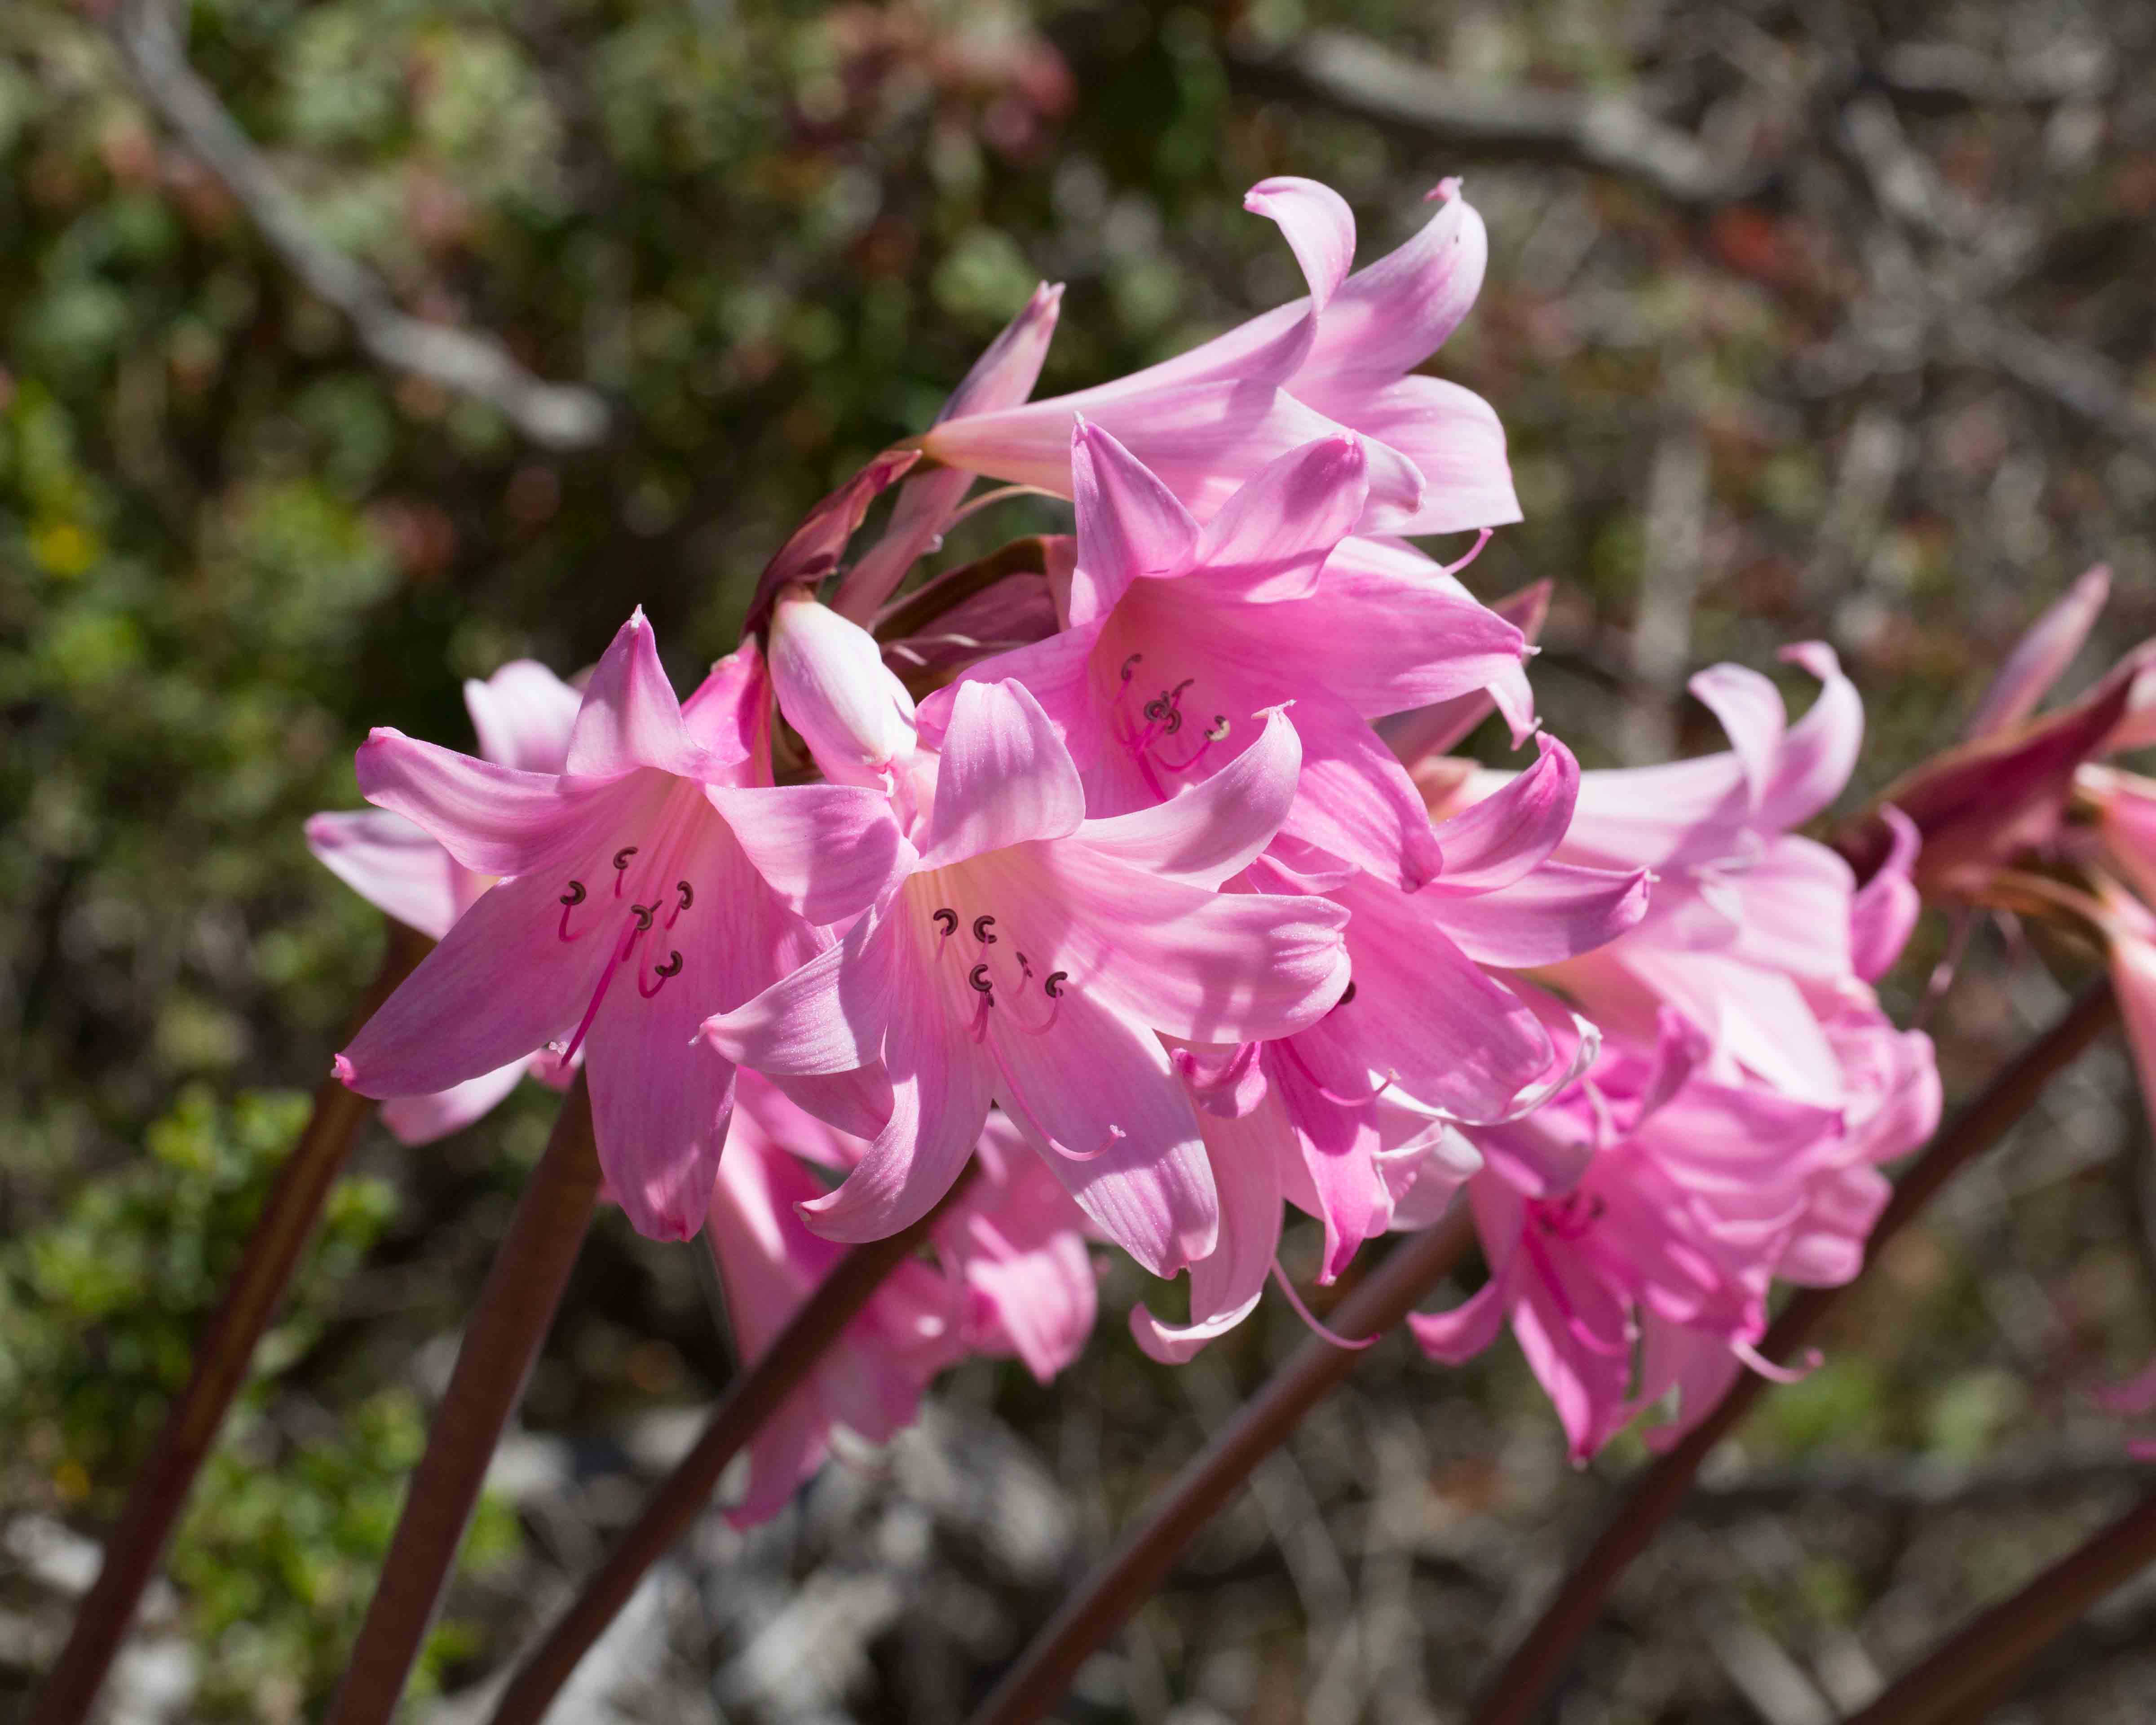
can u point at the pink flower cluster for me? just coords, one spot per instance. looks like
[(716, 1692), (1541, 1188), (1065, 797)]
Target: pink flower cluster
[(1137, 909)]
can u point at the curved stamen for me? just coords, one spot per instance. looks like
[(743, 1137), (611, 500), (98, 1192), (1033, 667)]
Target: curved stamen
[(570, 900), (982, 925), (947, 919), (672, 967), (1218, 731), (1481, 539), (1053, 988), (1347, 993), (1309, 1317), (621, 867), (1116, 1136), (978, 980), (688, 898), (1325, 1090), (644, 913), (1135, 659), (606, 981)]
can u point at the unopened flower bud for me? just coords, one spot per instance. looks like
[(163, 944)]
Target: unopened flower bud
[(828, 674)]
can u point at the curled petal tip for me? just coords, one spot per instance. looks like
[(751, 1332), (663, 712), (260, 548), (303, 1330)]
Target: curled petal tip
[(341, 1069), (385, 734), (1444, 191)]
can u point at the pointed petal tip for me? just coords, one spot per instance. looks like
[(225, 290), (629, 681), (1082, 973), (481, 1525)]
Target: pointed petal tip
[(1444, 191), (341, 1069)]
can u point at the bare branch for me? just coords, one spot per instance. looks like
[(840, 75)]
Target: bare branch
[(561, 416), (1352, 75)]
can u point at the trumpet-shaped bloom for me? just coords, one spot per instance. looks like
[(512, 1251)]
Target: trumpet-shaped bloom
[(643, 886), (1029, 956), (1014, 1279), (1179, 636), (1344, 356), (828, 677), (523, 715)]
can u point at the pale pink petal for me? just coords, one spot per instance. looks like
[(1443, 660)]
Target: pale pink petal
[(785, 1453), (1494, 843), (1005, 776), (421, 1120), (1200, 966), (1446, 723), (939, 1103), (828, 1016), (1339, 1144), (393, 866), (1820, 750), (828, 674), (495, 820), (1658, 817), (1245, 1156), (828, 850), (1216, 827), (500, 985), (1098, 1098), (1129, 524), (1576, 1338), (630, 717), (1276, 532), (1826, 1248), (1390, 317), (523, 714), (1057, 671), (854, 1104), (814, 549), (1796, 898), (1448, 435), (2041, 655), (1750, 709), (729, 713), (1316, 223), (1884, 908), (1355, 800), (1559, 911)]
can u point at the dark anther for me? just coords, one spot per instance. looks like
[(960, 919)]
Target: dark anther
[(621, 857), (978, 976), (1174, 719), (1219, 728), (1347, 993), (1156, 709), (947, 919), (1054, 986), (688, 893), (1128, 663), (982, 925), (575, 895), (672, 967), (643, 915)]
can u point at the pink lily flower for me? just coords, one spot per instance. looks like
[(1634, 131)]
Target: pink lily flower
[(1015, 1280), (523, 714), (828, 674), (1032, 957), (1344, 356), (1179, 636), (645, 885)]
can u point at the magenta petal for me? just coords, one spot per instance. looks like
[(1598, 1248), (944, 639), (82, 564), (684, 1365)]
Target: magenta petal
[(499, 986), (939, 1104), (1451, 436), (421, 1120), (495, 820), (1494, 843), (1357, 801), (659, 1110), (1217, 826), (828, 850), (1005, 776), (826, 1017), (1276, 532), (394, 866), (1316, 223), (630, 716), (1245, 1156), (1129, 524), (523, 714), (1098, 1100), (1057, 671)]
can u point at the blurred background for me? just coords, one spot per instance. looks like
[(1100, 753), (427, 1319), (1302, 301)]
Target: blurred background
[(349, 348)]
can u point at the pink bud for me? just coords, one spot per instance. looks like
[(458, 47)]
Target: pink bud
[(829, 675), (2041, 654)]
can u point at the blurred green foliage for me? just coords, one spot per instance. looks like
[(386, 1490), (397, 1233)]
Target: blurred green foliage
[(98, 1310)]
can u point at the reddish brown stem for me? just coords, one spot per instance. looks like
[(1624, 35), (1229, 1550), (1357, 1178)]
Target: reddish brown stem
[(134, 1548), (1532, 1671), (1981, 1663), (673, 1508), (515, 1309), (1123, 1580)]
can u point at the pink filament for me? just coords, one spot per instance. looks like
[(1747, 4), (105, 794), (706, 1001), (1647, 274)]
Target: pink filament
[(1309, 1317), (598, 993), (1326, 1090)]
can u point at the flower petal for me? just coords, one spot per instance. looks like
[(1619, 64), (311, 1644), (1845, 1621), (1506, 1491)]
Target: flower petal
[(2041, 655), (1129, 523), (1750, 709), (1316, 223), (830, 851), (1097, 1097), (393, 865), (1357, 801), (1558, 913), (1245, 1156), (523, 714), (1496, 842), (828, 1016), (1449, 436), (1272, 537), (421, 1120), (1005, 776), (1216, 827), (1390, 317), (495, 820), (630, 716), (1819, 752)]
